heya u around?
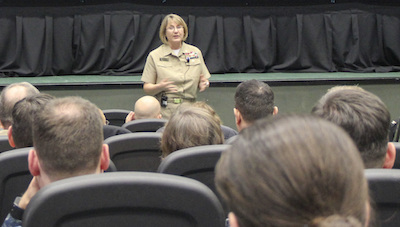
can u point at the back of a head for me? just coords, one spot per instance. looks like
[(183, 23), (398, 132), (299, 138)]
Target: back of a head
[(335, 221), (363, 116), (23, 116), (190, 126), (293, 171), (254, 99), (207, 107), (68, 137), (10, 95), (147, 107)]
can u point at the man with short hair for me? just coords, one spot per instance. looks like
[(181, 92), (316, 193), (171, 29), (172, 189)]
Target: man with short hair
[(20, 132), (365, 118), (253, 100), (9, 96), (68, 142), (147, 107)]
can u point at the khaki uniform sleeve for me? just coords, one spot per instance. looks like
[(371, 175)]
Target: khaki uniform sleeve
[(204, 68), (149, 73)]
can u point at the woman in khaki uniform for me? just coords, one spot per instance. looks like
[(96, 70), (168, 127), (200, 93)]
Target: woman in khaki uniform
[(175, 71)]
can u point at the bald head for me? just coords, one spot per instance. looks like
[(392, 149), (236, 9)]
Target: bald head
[(147, 107), (11, 95)]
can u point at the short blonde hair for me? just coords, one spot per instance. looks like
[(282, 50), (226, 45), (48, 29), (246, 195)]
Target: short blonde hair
[(190, 126), (164, 24), (207, 107)]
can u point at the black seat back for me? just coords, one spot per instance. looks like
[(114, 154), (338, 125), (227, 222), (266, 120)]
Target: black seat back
[(14, 177), (135, 151), (4, 145), (133, 199), (116, 116), (195, 162), (384, 185), (144, 125)]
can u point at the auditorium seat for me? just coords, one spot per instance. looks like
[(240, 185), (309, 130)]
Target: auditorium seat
[(14, 177), (144, 125), (113, 130), (197, 163), (135, 151), (4, 145), (116, 116), (384, 185), (134, 199)]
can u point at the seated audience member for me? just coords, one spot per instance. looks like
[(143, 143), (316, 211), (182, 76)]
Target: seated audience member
[(147, 107), (227, 131), (205, 106), (68, 142), (8, 97), (111, 130), (253, 100), (293, 171), (23, 113), (190, 126), (365, 118)]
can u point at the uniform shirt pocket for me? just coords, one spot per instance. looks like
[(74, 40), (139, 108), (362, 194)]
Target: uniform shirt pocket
[(194, 61), (164, 64)]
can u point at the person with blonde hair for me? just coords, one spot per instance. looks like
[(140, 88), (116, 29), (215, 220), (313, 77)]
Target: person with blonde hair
[(293, 171), (227, 131), (190, 126), (175, 71)]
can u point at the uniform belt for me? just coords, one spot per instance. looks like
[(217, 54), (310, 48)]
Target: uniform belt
[(176, 100)]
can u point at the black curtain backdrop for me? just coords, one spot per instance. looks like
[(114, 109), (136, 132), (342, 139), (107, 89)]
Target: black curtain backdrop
[(115, 39)]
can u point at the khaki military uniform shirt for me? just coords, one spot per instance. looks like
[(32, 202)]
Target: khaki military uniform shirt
[(183, 69)]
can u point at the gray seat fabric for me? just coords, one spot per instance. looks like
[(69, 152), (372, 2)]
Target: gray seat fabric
[(14, 177), (112, 130), (122, 199), (4, 145), (135, 151), (384, 185), (116, 116), (197, 163), (144, 125)]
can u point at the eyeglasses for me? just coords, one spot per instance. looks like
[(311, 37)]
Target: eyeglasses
[(172, 28)]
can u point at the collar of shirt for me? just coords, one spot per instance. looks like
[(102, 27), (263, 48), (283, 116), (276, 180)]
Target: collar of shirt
[(168, 51)]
